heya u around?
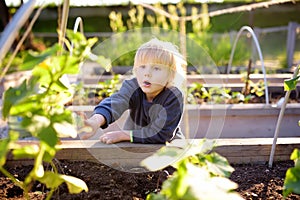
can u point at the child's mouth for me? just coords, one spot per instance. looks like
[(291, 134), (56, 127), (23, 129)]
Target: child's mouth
[(147, 84)]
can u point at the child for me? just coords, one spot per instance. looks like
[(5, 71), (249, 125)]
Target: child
[(155, 104)]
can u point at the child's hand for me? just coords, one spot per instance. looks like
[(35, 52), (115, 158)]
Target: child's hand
[(115, 137), (91, 126), (88, 130)]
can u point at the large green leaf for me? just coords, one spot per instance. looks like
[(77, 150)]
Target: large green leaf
[(23, 107), (218, 165), (175, 151), (49, 136), (32, 59), (66, 64), (51, 179), (12, 96), (292, 181), (43, 72)]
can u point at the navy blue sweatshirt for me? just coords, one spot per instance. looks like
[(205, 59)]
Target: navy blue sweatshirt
[(150, 122)]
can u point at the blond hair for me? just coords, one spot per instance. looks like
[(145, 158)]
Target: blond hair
[(163, 53)]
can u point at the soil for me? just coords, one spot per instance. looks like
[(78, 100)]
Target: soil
[(256, 181)]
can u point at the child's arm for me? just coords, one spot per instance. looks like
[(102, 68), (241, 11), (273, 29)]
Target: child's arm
[(161, 130)]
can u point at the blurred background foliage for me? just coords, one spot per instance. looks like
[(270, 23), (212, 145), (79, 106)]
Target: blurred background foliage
[(215, 35)]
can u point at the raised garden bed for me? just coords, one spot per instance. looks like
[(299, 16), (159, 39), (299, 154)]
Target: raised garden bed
[(127, 156)]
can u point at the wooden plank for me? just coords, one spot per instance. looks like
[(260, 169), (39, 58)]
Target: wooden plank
[(128, 156)]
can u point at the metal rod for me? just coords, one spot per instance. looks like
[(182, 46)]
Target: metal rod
[(286, 98), (12, 29), (250, 30)]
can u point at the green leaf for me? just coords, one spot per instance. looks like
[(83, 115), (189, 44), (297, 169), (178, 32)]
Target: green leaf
[(292, 181), (153, 196), (43, 72), (28, 151), (51, 180), (33, 59), (20, 108), (218, 165), (175, 151), (166, 156), (12, 96), (295, 154), (76, 37), (4, 148), (75, 185), (49, 136), (290, 84), (67, 64)]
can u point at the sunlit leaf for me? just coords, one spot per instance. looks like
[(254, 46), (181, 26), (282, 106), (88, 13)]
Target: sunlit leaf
[(292, 181), (38, 122), (175, 151), (153, 196), (68, 64), (290, 84), (22, 107), (65, 129), (75, 185), (4, 148), (28, 151), (13, 96), (166, 156), (295, 154), (49, 136), (51, 179), (218, 165), (33, 59)]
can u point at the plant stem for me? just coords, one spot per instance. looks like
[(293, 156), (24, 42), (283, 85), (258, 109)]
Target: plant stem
[(12, 178), (50, 193)]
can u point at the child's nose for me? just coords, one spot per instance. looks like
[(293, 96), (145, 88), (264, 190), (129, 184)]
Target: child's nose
[(148, 72)]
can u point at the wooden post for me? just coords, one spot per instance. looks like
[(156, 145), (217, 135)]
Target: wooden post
[(64, 20), (247, 89), (182, 36), (291, 40)]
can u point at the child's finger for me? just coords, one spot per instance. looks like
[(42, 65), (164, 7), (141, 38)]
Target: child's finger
[(86, 136), (81, 114)]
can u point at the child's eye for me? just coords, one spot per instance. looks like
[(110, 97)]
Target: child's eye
[(142, 66), (157, 68)]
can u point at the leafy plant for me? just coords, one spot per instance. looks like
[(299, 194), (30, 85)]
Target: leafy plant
[(198, 94), (200, 173), (291, 84), (109, 87), (39, 103), (292, 177)]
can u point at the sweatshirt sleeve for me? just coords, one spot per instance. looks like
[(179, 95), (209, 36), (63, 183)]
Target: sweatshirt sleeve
[(114, 106), (165, 120)]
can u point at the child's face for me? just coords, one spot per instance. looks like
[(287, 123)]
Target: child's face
[(152, 78)]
